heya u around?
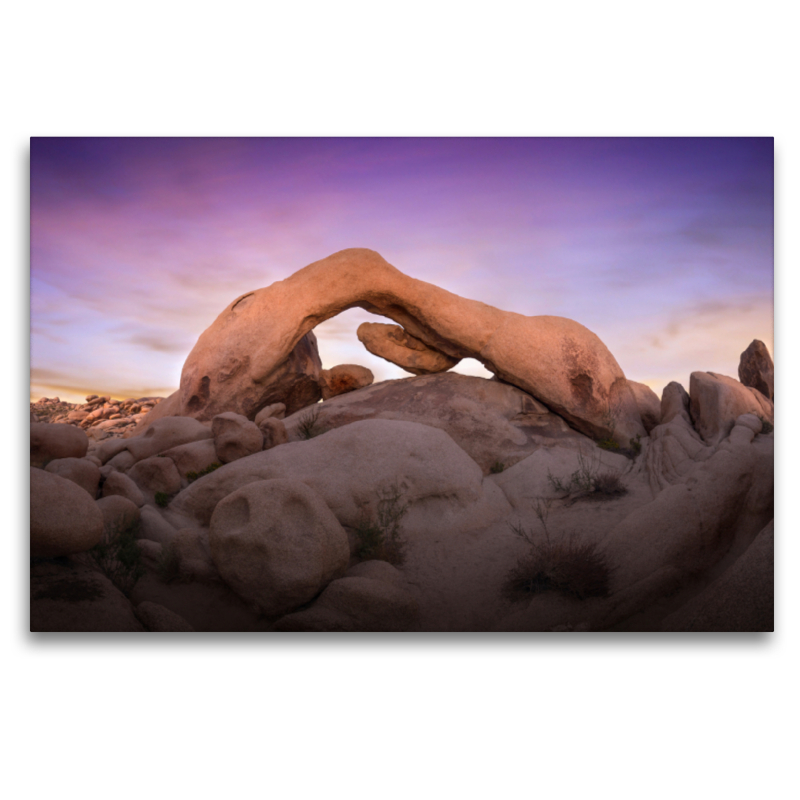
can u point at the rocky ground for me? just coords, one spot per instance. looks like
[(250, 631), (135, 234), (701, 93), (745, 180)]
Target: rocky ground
[(436, 503)]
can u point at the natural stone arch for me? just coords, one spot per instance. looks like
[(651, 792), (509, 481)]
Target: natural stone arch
[(239, 360)]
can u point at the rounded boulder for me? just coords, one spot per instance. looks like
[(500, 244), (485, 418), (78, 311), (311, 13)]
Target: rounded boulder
[(52, 441), (277, 544), (64, 519), (235, 437)]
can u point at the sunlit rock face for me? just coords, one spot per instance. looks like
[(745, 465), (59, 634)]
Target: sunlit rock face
[(260, 350)]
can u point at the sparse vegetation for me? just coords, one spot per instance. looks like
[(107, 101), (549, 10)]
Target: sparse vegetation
[(766, 425), (608, 444), (497, 467), (168, 564), (193, 476), (119, 557), (379, 536), (636, 444), (308, 425), (588, 481), (162, 499), (573, 568)]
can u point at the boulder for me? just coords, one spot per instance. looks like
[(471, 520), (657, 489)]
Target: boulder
[(276, 410), (55, 441), (73, 597), (273, 432), (64, 518), (192, 458), (154, 527), (674, 403), (241, 361), (494, 422), (81, 471), (343, 378), (348, 467), (399, 347), (648, 403), (277, 544), (158, 619), (716, 402), (235, 437), (356, 604), (118, 513), (118, 484), (165, 434), (757, 370), (191, 548), (155, 475)]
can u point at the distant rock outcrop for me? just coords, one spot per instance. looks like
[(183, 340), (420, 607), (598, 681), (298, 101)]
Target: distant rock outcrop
[(757, 370)]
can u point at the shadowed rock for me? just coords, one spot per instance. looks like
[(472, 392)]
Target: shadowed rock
[(757, 370), (398, 347), (240, 361)]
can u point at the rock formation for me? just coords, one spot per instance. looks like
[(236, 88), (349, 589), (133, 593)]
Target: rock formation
[(757, 370), (399, 347), (240, 363)]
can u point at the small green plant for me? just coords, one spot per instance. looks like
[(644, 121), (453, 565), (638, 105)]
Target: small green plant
[(118, 556), (636, 445), (193, 476), (766, 425), (162, 499), (168, 564), (497, 467), (308, 425), (608, 444), (379, 536), (609, 484)]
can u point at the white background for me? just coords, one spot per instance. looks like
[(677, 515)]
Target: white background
[(634, 716)]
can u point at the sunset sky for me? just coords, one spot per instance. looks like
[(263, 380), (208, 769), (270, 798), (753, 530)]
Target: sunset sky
[(662, 247)]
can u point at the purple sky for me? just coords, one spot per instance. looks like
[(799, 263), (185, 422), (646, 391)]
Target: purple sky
[(662, 247)]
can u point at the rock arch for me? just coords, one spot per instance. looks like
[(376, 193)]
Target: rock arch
[(261, 336)]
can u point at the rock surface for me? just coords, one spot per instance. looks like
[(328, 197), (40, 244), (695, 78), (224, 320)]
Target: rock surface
[(344, 378), (648, 403), (158, 619), (57, 441), (64, 518), (716, 402), (757, 370), (235, 437), (78, 470), (277, 544), (399, 347), (240, 361)]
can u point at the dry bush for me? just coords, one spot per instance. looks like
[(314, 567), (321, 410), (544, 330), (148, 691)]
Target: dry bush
[(379, 537), (609, 484)]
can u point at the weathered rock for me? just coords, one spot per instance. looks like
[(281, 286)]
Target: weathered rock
[(494, 422), (717, 400), (122, 461), (64, 518), (273, 432), (674, 403), (239, 363), (118, 513), (49, 442), (192, 458), (235, 437), (348, 466), (74, 597), (78, 470), (648, 403), (741, 599), (356, 604), (155, 475), (276, 410), (158, 619), (165, 434), (277, 544), (757, 370), (344, 378), (191, 549), (118, 484), (154, 527), (399, 347)]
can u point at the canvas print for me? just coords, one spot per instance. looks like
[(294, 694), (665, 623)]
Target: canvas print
[(401, 385)]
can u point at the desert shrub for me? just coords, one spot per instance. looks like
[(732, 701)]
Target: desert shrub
[(497, 467), (162, 499), (609, 484), (193, 476), (608, 444), (168, 564), (576, 569), (118, 556), (379, 536), (308, 425), (766, 425)]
